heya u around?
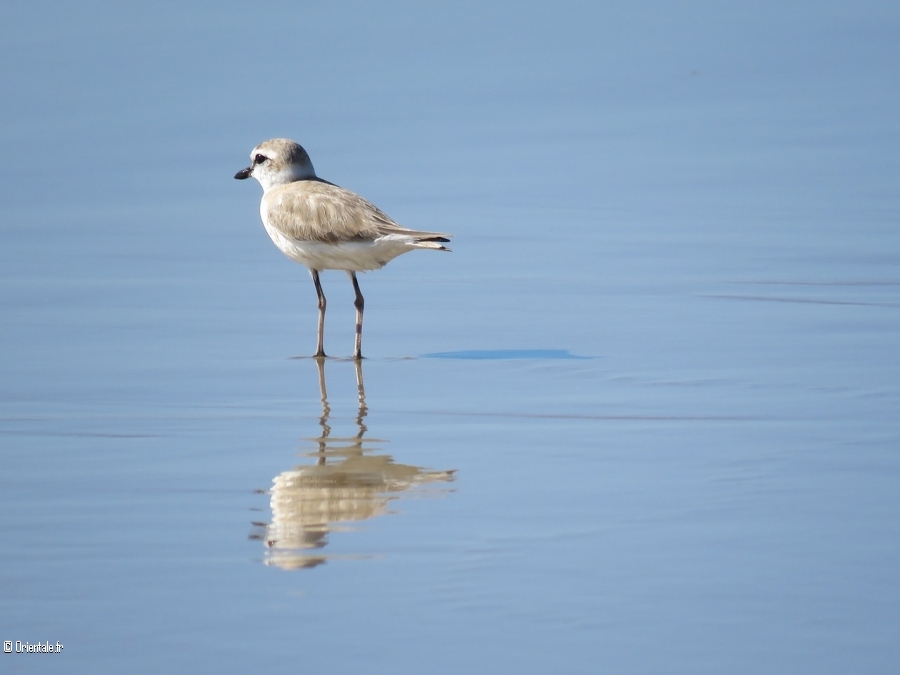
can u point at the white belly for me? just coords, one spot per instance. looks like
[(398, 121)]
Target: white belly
[(355, 256)]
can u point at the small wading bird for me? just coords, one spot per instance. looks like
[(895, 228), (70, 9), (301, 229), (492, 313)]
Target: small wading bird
[(325, 227)]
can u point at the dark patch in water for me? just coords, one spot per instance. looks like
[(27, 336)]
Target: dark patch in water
[(502, 354)]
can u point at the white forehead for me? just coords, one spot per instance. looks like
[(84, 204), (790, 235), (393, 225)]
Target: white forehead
[(274, 147), (263, 149)]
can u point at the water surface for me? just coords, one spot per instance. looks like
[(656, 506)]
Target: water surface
[(642, 420)]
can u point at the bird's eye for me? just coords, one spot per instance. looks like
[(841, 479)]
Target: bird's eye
[(259, 159)]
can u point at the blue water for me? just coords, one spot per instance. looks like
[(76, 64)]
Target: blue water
[(500, 354), (643, 419)]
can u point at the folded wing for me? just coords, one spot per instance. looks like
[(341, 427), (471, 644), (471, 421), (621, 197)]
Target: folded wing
[(315, 210)]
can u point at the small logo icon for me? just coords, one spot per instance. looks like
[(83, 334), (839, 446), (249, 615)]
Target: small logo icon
[(7, 646)]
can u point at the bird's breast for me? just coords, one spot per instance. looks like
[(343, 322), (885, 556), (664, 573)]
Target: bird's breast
[(355, 256)]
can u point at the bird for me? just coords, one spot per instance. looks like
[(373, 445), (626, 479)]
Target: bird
[(324, 226)]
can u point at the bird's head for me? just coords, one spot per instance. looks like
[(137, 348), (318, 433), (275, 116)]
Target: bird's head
[(276, 162)]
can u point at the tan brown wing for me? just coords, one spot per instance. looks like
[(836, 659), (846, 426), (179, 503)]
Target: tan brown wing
[(313, 210)]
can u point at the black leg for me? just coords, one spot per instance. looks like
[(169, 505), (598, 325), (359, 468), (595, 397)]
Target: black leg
[(360, 304), (320, 344)]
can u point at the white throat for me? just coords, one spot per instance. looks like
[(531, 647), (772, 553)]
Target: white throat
[(270, 177)]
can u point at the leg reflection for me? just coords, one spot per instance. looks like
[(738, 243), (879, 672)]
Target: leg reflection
[(348, 482)]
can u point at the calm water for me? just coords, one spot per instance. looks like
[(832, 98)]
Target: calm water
[(643, 419)]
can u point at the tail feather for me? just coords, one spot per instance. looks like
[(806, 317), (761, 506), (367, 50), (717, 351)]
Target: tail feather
[(432, 242)]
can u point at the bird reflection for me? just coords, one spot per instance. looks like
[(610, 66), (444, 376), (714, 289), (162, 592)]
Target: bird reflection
[(346, 483)]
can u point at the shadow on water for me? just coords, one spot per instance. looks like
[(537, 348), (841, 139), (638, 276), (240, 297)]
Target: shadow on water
[(347, 482), (505, 354)]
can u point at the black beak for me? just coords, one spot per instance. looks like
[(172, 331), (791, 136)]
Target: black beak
[(244, 173)]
